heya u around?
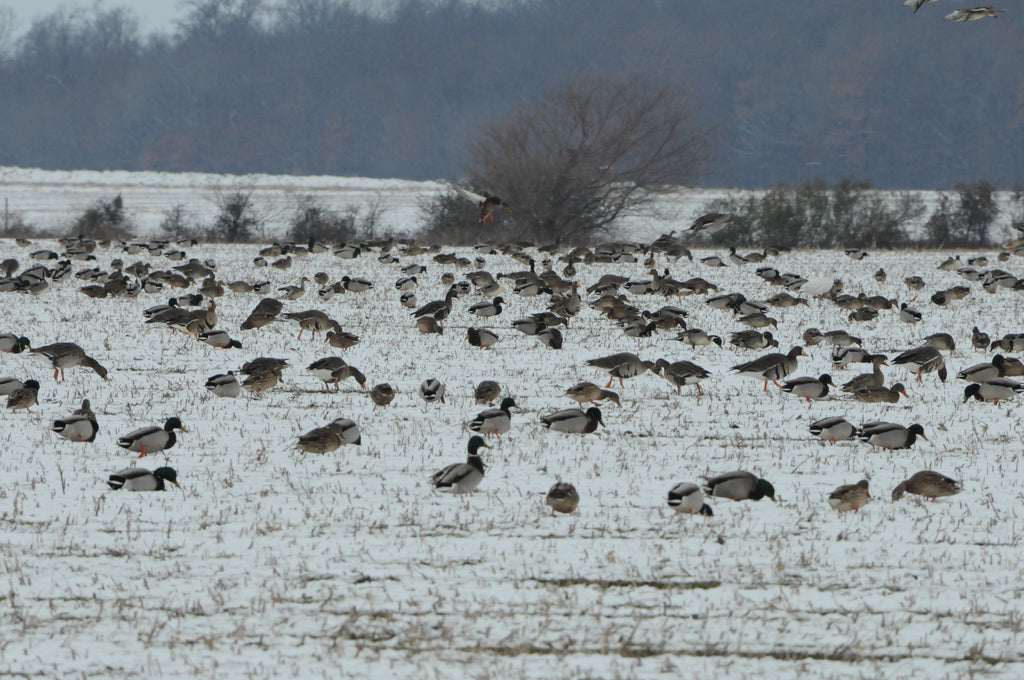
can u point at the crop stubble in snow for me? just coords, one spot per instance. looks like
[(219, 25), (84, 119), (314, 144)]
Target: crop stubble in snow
[(269, 563)]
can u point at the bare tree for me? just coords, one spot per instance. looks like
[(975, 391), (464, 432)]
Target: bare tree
[(594, 150), (237, 220)]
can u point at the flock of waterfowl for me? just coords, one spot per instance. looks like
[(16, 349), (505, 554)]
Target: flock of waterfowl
[(624, 301)]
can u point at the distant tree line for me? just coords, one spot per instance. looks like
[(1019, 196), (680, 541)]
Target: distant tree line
[(794, 89), (851, 214)]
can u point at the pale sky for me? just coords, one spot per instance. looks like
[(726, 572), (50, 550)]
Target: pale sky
[(153, 15)]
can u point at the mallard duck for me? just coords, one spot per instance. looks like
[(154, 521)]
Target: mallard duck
[(758, 320), (223, 384), (994, 389), (487, 203), (487, 392), (550, 337), (261, 380), (682, 373), (24, 397), (408, 300), (774, 366), (929, 484), (80, 426), (909, 314), (807, 387), (432, 390), (573, 420), (621, 365), (588, 391), (219, 340), (833, 429), (382, 394), (264, 364), (152, 438), (461, 478), (878, 394), (873, 379), (890, 435), (264, 313), (438, 309), (8, 385), (840, 338), (740, 486), (141, 479), (13, 344), (985, 370), (786, 300), (63, 355), (496, 421), (320, 440), (1011, 342), (924, 359), (562, 497), (331, 436), (979, 340), (487, 309), (428, 324), (341, 339), (973, 13), (481, 338), (696, 337), (688, 498), (356, 284), (850, 497), (752, 339)]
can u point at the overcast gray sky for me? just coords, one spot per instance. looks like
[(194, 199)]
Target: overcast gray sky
[(152, 14)]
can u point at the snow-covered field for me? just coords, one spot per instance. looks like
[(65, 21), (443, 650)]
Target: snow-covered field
[(268, 563)]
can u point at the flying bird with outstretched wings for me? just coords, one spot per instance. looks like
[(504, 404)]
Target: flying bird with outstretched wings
[(485, 202)]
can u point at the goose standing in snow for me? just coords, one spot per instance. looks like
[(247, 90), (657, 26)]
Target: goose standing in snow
[(923, 359), (774, 366), (682, 373), (622, 365), (63, 355)]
